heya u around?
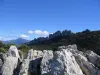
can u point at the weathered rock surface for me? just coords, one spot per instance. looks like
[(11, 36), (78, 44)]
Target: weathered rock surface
[(11, 61), (93, 58), (59, 63), (3, 56), (67, 60), (13, 51), (31, 64), (46, 61), (24, 67), (87, 67), (21, 57), (1, 63), (86, 61), (9, 65)]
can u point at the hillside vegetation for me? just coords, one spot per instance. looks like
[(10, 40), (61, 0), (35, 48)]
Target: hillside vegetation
[(85, 40), (5, 47)]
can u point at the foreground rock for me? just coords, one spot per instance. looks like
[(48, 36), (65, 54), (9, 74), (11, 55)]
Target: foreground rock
[(67, 60), (11, 61), (31, 64), (87, 67), (1, 63), (9, 65), (24, 67), (93, 58), (59, 63), (87, 60)]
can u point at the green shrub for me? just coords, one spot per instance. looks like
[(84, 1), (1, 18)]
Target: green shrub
[(3, 50), (24, 48)]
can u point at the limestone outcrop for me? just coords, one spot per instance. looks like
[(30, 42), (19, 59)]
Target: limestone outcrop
[(67, 60), (11, 61), (31, 64), (59, 63)]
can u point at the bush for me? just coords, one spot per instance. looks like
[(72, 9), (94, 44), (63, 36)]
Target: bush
[(3, 50), (24, 48)]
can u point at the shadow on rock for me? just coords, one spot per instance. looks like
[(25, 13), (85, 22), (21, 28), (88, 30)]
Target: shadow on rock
[(34, 67)]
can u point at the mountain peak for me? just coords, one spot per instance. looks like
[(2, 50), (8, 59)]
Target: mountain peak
[(17, 41)]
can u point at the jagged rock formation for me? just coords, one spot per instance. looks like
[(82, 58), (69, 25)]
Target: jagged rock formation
[(67, 60), (1, 63), (9, 65), (31, 64), (93, 58), (87, 67), (56, 63), (59, 63), (11, 61)]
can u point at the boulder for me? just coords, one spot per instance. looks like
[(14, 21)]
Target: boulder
[(9, 65), (87, 67), (3, 56), (37, 54), (29, 54), (93, 58), (21, 57), (24, 67), (24, 70), (1, 63), (34, 54), (86, 60), (31, 64), (67, 60), (46, 62), (11, 61), (13, 51), (59, 63)]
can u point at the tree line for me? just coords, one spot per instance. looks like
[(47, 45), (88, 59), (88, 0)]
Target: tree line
[(85, 40)]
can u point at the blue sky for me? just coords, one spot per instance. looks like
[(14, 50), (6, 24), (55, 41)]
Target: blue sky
[(34, 18)]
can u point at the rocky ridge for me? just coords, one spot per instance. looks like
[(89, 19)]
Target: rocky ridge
[(67, 60)]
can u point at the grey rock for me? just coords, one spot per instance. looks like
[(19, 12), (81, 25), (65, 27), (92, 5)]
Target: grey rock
[(87, 67), (11, 61), (46, 62), (1, 63), (13, 51), (21, 57), (67, 60), (9, 65), (93, 58), (59, 63), (31, 63), (24, 67), (34, 54), (3, 56)]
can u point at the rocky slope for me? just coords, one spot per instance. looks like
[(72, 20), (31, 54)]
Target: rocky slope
[(67, 60)]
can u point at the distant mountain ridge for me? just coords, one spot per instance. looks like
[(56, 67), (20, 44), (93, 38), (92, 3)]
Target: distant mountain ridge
[(85, 40), (16, 41)]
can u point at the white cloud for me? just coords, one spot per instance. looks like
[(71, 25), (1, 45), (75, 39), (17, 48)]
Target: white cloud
[(51, 33), (30, 32), (0, 38), (24, 36), (41, 33)]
